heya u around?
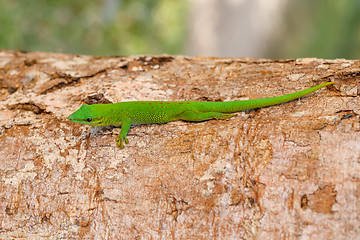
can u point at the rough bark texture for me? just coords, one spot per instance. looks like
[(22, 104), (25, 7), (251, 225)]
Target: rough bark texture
[(283, 172)]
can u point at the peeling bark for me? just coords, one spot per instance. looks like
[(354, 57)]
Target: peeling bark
[(288, 171)]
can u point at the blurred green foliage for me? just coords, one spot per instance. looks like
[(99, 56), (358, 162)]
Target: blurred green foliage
[(108, 27), (319, 28), (311, 28)]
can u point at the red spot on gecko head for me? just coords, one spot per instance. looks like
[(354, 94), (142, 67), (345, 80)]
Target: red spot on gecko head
[(188, 103), (162, 106), (142, 103), (181, 103)]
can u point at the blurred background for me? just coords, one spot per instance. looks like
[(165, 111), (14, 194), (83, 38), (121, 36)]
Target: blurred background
[(274, 29)]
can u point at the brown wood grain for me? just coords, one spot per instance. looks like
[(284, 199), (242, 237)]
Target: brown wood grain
[(283, 172)]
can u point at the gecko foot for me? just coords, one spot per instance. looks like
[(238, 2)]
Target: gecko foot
[(225, 115), (120, 141)]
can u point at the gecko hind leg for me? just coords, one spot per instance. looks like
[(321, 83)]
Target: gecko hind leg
[(196, 116)]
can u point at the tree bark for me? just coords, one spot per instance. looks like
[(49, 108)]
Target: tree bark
[(288, 171)]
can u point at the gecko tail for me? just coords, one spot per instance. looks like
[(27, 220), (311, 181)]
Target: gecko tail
[(237, 106)]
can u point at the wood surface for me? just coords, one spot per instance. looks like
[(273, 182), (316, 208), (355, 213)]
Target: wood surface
[(290, 171)]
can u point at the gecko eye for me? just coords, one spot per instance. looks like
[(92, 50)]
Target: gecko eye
[(89, 119)]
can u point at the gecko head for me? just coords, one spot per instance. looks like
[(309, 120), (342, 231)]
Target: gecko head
[(87, 114)]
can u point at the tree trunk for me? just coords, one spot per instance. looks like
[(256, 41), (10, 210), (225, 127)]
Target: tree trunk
[(283, 172)]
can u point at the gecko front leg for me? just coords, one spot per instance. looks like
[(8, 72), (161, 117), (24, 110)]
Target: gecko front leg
[(121, 138)]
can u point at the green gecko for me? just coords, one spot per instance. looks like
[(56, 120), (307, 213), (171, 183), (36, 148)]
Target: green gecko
[(125, 114)]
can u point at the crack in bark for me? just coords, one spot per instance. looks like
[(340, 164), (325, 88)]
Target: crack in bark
[(29, 106), (69, 80), (146, 61)]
